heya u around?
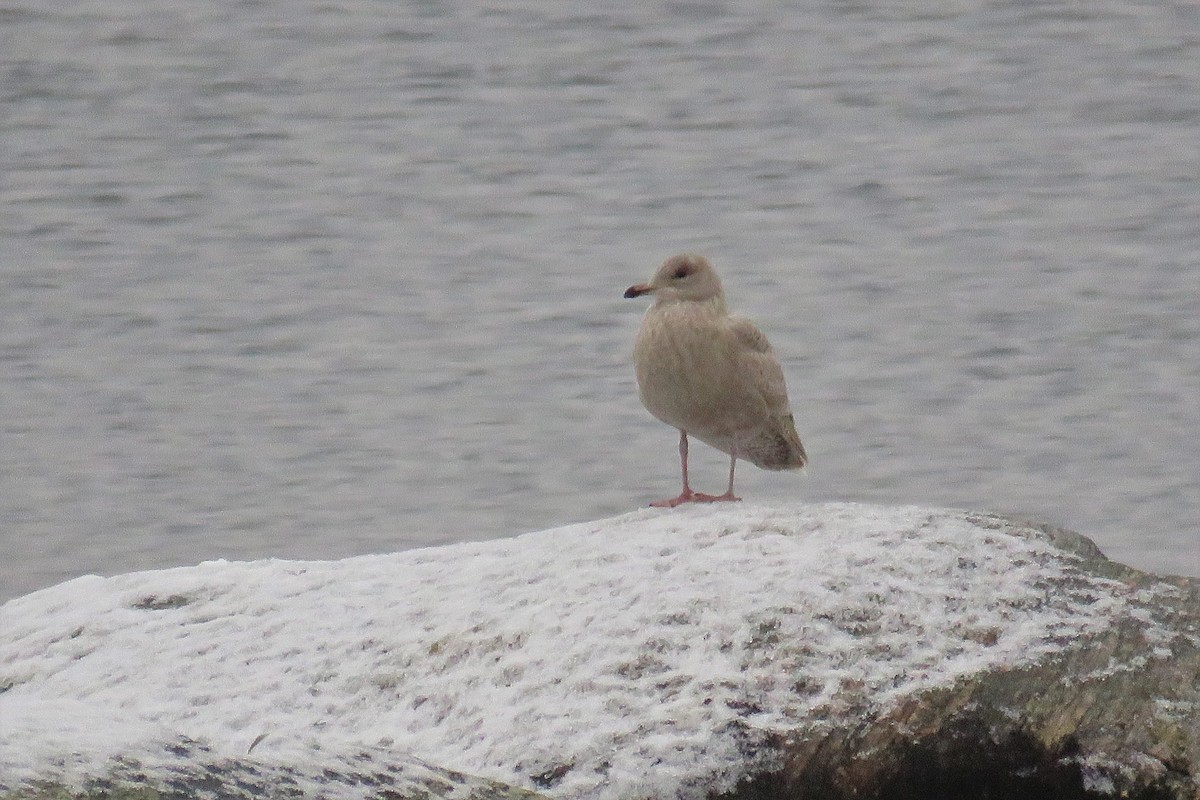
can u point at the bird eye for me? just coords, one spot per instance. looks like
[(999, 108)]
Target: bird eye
[(682, 271)]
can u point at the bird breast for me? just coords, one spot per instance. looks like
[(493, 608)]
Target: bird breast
[(689, 374)]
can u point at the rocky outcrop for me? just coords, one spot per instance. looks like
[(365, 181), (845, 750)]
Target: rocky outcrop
[(1114, 715), (743, 653)]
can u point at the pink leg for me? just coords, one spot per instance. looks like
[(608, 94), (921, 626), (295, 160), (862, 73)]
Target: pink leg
[(729, 495), (687, 493)]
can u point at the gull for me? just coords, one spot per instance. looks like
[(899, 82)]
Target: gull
[(711, 374)]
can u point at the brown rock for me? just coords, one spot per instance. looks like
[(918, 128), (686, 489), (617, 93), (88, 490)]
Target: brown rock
[(1115, 715)]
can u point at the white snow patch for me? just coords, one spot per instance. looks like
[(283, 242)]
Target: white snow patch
[(649, 652)]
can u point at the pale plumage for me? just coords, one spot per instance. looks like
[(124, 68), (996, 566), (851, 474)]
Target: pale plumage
[(711, 374)]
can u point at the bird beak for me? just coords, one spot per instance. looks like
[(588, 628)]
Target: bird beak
[(638, 289)]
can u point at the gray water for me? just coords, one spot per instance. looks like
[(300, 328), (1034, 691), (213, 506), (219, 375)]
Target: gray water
[(312, 280)]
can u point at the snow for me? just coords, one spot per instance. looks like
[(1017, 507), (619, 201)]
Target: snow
[(644, 655)]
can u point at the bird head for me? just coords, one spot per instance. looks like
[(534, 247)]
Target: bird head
[(686, 277)]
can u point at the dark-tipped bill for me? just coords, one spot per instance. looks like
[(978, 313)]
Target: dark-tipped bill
[(637, 290)]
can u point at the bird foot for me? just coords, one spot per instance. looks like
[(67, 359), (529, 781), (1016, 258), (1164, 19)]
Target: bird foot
[(716, 498), (688, 496)]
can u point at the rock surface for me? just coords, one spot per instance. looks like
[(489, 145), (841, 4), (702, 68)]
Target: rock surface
[(1115, 715), (829, 652), (199, 774)]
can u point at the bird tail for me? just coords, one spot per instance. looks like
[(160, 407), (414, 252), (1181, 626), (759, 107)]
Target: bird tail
[(778, 449)]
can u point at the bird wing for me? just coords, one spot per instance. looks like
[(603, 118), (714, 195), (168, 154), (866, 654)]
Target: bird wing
[(749, 335), (762, 368), (773, 443)]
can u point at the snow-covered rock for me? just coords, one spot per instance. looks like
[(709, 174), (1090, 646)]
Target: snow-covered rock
[(1114, 713), (661, 654)]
